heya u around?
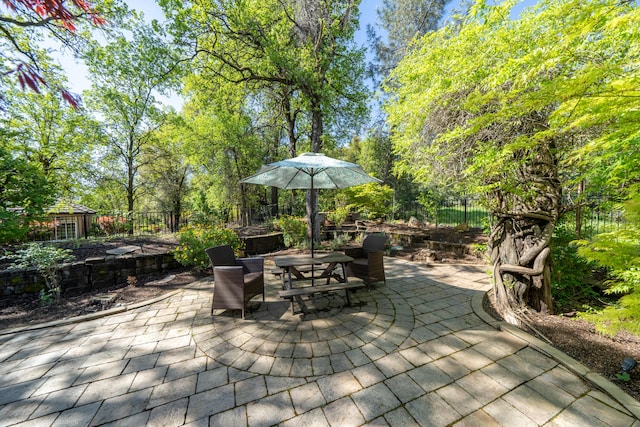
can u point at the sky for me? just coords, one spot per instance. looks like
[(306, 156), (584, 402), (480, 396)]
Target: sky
[(77, 72)]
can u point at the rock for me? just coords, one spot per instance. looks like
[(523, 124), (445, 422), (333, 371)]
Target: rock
[(414, 222), (461, 228), (123, 250)]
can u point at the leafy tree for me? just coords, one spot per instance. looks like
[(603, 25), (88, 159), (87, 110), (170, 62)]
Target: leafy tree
[(165, 171), (24, 25), (375, 154), (300, 52), (225, 145), (24, 194), (301, 48), (510, 108), (55, 137), (619, 251), (126, 75), (402, 21), (102, 193), (373, 200)]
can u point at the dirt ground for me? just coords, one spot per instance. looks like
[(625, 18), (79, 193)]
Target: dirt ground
[(576, 338)]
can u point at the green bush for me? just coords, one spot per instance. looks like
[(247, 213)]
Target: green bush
[(371, 200), (619, 252), (294, 230), (430, 202), (339, 242), (45, 259), (571, 275), (624, 314), (338, 216), (195, 239)]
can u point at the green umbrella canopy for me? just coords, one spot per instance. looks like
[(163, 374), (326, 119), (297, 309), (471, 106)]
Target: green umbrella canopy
[(310, 171)]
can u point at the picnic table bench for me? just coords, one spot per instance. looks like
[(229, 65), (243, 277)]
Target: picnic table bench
[(311, 290)]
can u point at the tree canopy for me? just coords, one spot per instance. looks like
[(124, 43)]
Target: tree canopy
[(301, 52), (564, 70), (520, 110), (127, 73), (402, 20), (25, 24)]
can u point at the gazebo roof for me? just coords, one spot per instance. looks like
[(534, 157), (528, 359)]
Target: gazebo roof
[(70, 208)]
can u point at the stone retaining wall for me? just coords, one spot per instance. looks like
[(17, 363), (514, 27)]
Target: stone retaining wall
[(92, 273), (263, 244)]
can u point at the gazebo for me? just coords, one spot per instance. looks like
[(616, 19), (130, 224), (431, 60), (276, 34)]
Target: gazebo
[(70, 220)]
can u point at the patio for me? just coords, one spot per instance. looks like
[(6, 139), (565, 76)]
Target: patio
[(419, 351)]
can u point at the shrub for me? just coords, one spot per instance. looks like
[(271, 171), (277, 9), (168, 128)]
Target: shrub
[(294, 229), (339, 241), (619, 252), (112, 225), (371, 200), (338, 216), (571, 275), (45, 259), (623, 315), (195, 239)]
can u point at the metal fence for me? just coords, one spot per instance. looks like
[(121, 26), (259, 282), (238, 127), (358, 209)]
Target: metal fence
[(450, 212), (595, 221), (467, 210), (67, 227), (136, 223)]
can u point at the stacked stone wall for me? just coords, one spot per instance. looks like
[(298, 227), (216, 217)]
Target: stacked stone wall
[(90, 274)]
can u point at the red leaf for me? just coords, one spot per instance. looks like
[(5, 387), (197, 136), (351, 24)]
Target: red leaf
[(32, 83), (71, 98)]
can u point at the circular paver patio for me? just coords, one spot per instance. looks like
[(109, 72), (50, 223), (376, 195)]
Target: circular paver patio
[(415, 351), (334, 337)]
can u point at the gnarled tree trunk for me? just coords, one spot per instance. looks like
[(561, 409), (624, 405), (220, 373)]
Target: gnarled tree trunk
[(521, 265), (519, 242)]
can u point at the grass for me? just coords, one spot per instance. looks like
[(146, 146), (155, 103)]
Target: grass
[(452, 216)]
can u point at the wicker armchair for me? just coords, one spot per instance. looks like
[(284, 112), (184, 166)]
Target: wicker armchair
[(236, 280), (368, 263)]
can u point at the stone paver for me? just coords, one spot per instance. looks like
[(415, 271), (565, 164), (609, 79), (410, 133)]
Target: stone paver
[(417, 351)]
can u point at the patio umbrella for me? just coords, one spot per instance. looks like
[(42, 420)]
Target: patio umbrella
[(311, 171)]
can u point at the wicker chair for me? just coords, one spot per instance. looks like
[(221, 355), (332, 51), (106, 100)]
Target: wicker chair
[(237, 280), (368, 263)]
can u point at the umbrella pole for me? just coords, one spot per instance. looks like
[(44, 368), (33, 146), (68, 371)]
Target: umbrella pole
[(313, 226)]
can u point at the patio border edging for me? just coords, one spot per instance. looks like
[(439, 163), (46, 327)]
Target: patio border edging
[(600, 382), (99, 314)]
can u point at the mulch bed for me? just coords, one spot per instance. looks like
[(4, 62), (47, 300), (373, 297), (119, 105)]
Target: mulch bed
[(27, 310)]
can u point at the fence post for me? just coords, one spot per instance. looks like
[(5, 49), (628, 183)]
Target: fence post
[(464, 202)]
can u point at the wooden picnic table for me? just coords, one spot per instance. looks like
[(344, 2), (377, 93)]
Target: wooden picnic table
[(297, 268)]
